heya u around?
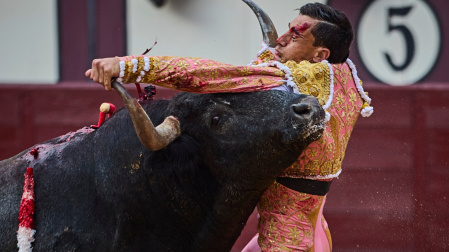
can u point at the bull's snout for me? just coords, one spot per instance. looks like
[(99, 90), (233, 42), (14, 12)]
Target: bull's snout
[(308, 108), (304, 107), (301, 109), (309, 113)]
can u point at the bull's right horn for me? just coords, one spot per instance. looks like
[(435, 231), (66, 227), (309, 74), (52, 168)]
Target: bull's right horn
[(151, 137), (268, 30)]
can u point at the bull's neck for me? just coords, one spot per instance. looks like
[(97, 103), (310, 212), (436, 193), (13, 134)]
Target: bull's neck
[(233, 206)]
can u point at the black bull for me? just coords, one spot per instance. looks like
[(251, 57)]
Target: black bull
[(104, 191)]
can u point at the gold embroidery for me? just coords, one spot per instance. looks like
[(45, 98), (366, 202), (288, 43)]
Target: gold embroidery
[(312, 168), (266, 56), (311, 79), (279, 230), (335, 128), (324, 156), (182, 64), (326, 169)]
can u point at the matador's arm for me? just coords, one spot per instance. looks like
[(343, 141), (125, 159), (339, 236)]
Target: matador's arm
[(198, 75)]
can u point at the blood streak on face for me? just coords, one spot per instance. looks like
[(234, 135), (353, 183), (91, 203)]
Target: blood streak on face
[(300, 28), (293, 30)]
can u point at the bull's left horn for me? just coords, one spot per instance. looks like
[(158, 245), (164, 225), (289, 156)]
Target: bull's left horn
[(151, 137), (268, 30)]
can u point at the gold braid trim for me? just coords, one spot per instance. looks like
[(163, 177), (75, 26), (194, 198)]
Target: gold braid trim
[(311, 79)]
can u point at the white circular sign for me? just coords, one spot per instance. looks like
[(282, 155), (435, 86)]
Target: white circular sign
[(398, 40)]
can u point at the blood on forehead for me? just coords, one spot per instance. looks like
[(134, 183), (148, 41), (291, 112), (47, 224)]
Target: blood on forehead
[(300, 28), (294, 29)]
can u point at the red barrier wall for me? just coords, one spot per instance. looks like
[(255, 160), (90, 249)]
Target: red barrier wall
[(391, 196)]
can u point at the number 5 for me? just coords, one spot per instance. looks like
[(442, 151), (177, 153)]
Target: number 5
[(409, 42)]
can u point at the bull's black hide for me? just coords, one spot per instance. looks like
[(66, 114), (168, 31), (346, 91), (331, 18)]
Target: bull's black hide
[(103, 191)]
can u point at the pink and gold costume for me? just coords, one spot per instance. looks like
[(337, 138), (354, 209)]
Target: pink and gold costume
[(289, 220)]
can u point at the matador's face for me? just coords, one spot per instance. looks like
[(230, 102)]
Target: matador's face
[(297, 43)]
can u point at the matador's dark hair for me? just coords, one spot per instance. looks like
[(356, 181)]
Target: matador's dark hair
[(334, 30)]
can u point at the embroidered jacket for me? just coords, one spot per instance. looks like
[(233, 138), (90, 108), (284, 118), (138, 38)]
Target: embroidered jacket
[(291, 220)]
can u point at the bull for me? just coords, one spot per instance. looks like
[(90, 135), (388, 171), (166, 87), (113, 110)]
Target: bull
[(188, 184), (103, 190)]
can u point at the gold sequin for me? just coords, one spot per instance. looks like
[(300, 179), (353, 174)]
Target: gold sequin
[(311, 79)]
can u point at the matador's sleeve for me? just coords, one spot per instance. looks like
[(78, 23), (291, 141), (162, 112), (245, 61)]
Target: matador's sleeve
[(198, 75)]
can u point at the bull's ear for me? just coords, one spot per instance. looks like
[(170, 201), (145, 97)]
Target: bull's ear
[(180, 167), (185, 106), (180, 158)]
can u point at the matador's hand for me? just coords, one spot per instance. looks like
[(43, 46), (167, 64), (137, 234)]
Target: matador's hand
[(103, 70)]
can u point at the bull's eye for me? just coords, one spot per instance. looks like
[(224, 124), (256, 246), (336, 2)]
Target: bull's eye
[(215, 120)]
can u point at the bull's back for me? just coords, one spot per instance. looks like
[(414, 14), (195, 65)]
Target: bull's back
[(61, 176)]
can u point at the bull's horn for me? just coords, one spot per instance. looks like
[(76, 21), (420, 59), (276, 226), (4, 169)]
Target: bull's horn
[(268, 30), (151, 137)]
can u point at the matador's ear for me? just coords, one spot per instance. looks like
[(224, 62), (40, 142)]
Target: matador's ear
[(321, 53)]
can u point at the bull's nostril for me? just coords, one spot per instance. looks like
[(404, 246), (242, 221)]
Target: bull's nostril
[(301, 108)]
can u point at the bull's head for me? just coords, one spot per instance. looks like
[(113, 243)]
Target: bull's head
[(156, 138)]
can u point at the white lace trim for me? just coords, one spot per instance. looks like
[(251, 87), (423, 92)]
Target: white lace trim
[(264, 48), (139, 78), (135, 63), (316, 177), (288, 74), (122, 69), (367, 110), (147, 63), (146, 68)]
